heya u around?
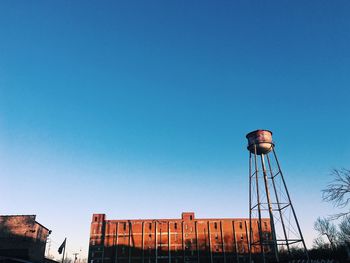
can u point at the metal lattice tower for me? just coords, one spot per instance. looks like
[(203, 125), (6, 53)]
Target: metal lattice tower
[(269, 198)]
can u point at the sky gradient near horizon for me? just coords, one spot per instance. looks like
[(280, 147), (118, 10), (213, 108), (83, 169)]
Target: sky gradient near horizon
[(139, 109)]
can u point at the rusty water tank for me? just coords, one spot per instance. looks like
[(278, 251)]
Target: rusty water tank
[(262, 140)]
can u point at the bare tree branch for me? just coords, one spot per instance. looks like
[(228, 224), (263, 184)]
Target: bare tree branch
[(338, 191), (344, 230), (325, 228), (339, 215)]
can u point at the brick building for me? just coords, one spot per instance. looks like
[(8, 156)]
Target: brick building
[(22, 237), (186, 239)]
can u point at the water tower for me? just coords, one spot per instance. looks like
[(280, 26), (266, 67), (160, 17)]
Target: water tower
[(269, 198)]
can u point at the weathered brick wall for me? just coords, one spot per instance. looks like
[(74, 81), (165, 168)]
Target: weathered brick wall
[(22, 236)]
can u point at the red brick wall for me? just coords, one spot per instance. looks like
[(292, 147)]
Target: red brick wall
[(185, 239), (22, 236)]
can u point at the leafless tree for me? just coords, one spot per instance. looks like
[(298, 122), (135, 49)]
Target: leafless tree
[(344, 234), (344, 230), (320, 243), (338, 191), (325, 228)]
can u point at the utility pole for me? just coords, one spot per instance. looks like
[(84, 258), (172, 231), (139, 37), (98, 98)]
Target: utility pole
[(75, 256)]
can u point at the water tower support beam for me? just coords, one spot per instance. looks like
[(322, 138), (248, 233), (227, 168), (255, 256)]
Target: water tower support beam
[(256, 174), (293, 211), (278, 203), (272, 222)]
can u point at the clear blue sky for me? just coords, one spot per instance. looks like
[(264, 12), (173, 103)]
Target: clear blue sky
[(139, 109)]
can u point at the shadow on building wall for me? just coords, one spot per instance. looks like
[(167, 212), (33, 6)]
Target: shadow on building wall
[(22, 237), (127, 254)]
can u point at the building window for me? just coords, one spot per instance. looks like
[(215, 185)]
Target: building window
[(124, 226), (95, 218), (175, 225), (240, 225), (241, 236), (150, 226), (216, 225), (190, 217)]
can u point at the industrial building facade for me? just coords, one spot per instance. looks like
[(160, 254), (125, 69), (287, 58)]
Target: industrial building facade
[(22, 237), (186, 239)]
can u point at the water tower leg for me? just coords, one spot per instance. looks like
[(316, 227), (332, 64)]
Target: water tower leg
[(256, 173), (291, 205), (278, 203), (272, 222)]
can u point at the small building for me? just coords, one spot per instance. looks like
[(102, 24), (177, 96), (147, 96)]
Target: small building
[(22, 237), (186, 239)]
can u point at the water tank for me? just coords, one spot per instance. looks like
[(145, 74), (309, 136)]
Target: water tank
[(262, 139)]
